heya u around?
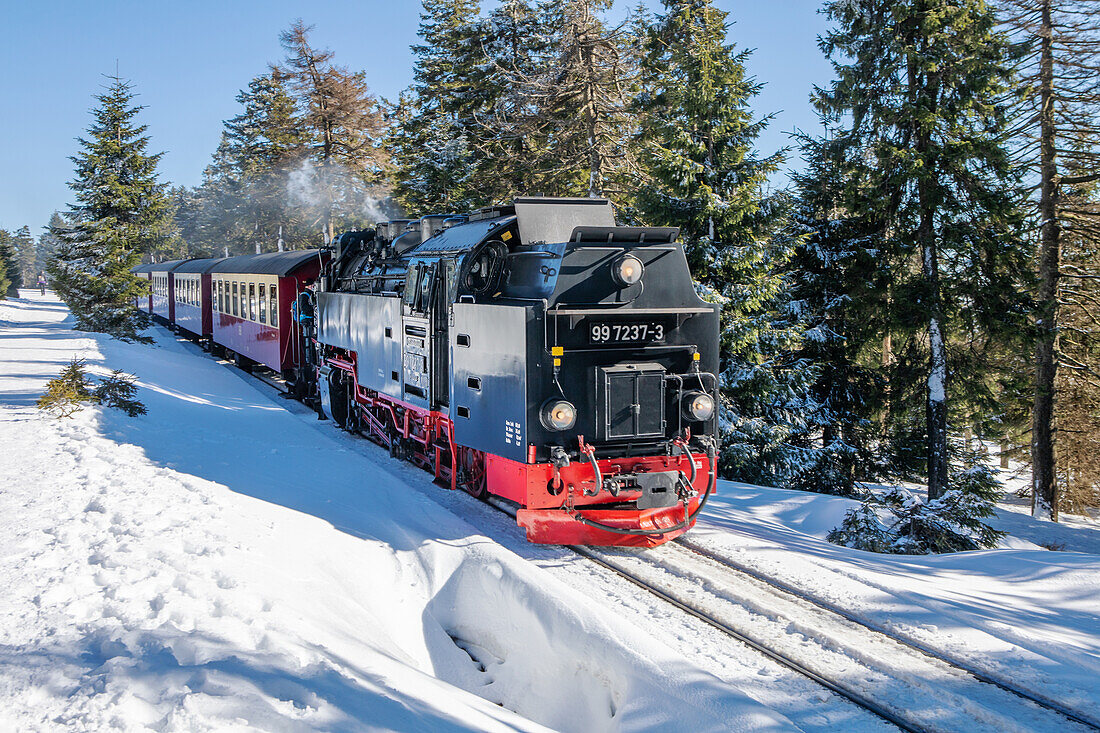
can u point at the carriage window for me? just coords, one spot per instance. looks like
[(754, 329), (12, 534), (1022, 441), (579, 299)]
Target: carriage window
[(275, 305), (235, 312), (263, 303), (252, 301)]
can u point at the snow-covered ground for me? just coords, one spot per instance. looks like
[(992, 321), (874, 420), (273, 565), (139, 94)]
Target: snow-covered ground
[(224, 563), (227, 562)]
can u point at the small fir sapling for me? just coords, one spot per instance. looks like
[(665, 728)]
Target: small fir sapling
[(68, 392), (118, 391), (949, 523)]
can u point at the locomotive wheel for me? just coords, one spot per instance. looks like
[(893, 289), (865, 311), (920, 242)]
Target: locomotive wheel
[(472, 474)]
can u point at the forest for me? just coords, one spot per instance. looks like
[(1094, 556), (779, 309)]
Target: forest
[(919, 303)]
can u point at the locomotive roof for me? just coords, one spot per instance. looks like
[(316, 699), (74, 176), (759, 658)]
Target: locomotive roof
[(270, 263), (461, 237), (201, 265)]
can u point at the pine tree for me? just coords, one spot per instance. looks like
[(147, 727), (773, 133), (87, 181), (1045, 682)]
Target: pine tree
[(915, 111), (26, 254), (437, 122), (244, 202), (839, 284), (571, 110), (120, 213), (697, 150), (1058, 132), (344, 124), (48, 242), (520, 43), (8, 266)]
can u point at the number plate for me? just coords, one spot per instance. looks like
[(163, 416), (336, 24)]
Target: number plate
[(627, 333)]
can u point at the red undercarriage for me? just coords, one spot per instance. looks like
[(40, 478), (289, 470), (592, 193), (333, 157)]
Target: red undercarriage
[(550, 499)]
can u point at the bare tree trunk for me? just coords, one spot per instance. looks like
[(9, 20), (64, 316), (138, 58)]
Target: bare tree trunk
[(1044, 483)]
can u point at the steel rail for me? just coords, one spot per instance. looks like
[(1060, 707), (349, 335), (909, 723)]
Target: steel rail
[(973, 671)]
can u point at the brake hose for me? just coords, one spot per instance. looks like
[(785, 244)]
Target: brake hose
[(712, 458)]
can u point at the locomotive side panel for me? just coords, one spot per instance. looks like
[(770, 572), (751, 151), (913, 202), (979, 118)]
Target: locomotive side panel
[(369, 325), (489, 389)]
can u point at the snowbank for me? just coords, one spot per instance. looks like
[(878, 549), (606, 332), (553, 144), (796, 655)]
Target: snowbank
[(226, 563)]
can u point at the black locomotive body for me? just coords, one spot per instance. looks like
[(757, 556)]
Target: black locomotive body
[(536, 352)]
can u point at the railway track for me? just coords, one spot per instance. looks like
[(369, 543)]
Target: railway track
[(912, 688), (991, 678)]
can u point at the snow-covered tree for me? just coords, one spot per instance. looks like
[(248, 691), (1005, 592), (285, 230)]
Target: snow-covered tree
[(120, 213), (704, 175), (916, 113), (48, 242), (26, 254)]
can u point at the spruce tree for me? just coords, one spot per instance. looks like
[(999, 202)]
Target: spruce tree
[(698, 138), (571, 109), (26, 254), (915, 113), (48, 242), (436, 133), (120, 213), (8, 266), (521, 40), (1057, 135), (841, 287), (243, 202)]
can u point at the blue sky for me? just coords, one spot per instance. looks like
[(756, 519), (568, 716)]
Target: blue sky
[(188, 60)]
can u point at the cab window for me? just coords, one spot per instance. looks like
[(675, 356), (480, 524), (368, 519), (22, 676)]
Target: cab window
[(412, 284)]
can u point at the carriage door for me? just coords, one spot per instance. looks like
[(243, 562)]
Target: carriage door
[(441, 330)]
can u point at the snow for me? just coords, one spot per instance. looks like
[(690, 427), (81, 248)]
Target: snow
[(227, 563), (1030, 615)]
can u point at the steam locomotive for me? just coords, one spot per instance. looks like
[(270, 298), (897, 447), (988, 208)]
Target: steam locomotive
[(536, 353)]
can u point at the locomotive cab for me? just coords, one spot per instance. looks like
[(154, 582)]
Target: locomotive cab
[(562, 362)]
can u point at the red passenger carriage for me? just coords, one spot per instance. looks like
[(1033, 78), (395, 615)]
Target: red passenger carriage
[(251, 302)]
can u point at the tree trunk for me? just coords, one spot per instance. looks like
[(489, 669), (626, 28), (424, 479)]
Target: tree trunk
[(1044, 483), (926, 89)]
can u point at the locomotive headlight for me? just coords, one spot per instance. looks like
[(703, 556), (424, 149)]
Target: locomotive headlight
[(698, 406), (628, 270), (559, 415)]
